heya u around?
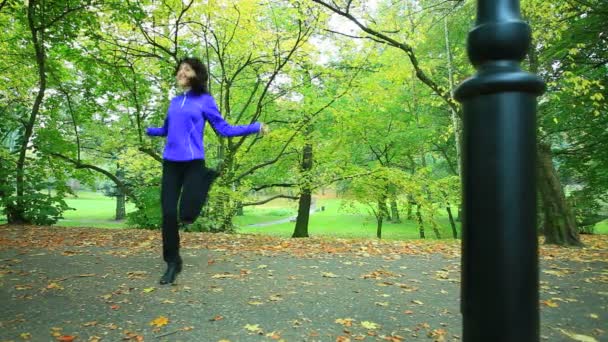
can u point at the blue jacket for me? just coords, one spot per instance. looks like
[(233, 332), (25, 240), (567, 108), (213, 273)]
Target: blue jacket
[(185, 122)]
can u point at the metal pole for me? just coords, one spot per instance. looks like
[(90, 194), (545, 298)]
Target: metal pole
[(499, 300)]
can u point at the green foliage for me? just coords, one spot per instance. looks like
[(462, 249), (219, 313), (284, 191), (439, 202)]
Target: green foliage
[(148, 214)]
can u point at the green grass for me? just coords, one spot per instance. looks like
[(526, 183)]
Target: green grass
[(601, 227), (96, 210), (335, 221)]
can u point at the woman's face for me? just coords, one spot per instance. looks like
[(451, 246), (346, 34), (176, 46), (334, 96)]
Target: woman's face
[(184, 74)]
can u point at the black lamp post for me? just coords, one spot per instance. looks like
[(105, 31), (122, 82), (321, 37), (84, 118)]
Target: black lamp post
[(499, 300)]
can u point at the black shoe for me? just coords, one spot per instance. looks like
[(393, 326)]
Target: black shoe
[(173, 269)]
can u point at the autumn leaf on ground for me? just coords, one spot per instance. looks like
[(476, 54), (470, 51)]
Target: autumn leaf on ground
[(217, 318), (369, 325), (438, 335), (578, 337), (149, 289), (54, 286), (417, 302), (23, 287), (254, 328), (159, 321), (347, 322), (273, 335), (549, 303), (25, 336), (65, 338), (343, 339), (56, 332), (329, 275), (129, 335)]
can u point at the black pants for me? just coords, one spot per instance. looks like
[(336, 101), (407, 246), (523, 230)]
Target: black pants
[(192, 181)]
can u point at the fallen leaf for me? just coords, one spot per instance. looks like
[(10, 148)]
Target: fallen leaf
[(343, 339), (65, 338), (276, 298), (549, 303), (115, 307), (217, 318), (417, 302), (149, 289), (23, 287), (255, 328), (329, 275), (25, 336), (578, 337), (54, 286), (255, 303), (273, 335), (56, 332), (594, 316), (369, 325), (347, 322), (159, 321)]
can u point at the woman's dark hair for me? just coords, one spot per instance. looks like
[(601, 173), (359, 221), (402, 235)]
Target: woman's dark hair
[(198, 84)]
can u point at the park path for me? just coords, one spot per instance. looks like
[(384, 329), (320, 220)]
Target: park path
[(101, 285)]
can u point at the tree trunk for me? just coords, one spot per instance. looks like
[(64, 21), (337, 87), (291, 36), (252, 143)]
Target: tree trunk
[(120, 206), (379, 220), (410, 205), (395, 211), (420, 222), (452, 223), (16, 213), (301, 229), (435, 229), (455, 118), (559, 224)]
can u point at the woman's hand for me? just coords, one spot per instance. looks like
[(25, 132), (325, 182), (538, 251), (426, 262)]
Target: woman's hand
[(264, 129)]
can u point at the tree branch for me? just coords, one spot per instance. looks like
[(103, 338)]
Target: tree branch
[(270, 199)]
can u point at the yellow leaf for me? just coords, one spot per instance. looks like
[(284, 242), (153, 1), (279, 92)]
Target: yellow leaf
[(594, 316), (54, 286), (347, 322), (253, 328), (369, 325), (578, 337), (160, 321), (255, 303), (25, 336), (549, 303), (149, 289)]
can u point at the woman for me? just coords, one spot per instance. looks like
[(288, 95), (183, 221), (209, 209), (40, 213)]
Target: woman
[(184, 155)]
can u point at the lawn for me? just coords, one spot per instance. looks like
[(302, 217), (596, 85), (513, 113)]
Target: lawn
[(96, 210)]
